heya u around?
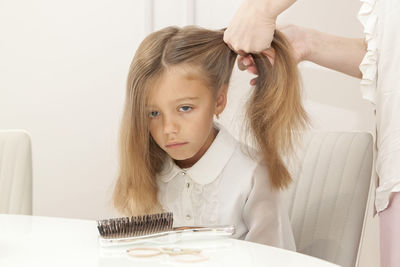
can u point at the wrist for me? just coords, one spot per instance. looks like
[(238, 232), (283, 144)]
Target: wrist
[(272, 8), (265, 8), (311, 44)]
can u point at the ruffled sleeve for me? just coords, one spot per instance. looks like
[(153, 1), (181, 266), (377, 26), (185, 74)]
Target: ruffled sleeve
[(368, 18)]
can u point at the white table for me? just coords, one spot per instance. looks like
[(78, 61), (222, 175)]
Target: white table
[(47, 241)]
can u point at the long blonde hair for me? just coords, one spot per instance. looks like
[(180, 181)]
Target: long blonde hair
[(274, 111)]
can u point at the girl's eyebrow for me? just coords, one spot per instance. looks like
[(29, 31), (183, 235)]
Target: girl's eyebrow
[(185, 98), (176, 100)]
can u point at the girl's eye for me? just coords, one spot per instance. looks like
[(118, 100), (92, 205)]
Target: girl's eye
[(185, 108), (154, 114)]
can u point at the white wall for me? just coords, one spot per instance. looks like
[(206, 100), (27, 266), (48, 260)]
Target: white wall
[(63, 66), (63, 69)]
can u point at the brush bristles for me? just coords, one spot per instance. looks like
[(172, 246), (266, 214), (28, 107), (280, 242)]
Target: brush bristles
[(135, 226)]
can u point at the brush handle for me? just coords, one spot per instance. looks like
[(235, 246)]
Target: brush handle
[(174, 235)]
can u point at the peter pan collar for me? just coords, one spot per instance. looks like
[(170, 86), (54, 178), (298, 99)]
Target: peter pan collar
[(210, 165)]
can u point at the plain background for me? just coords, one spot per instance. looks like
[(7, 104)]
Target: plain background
[(63, 67)]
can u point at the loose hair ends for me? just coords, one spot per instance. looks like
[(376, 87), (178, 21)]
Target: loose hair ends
[(275, 113), (135, 191), (135, 174)]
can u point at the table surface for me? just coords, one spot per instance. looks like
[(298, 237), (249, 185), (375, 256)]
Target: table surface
[(49, 241)]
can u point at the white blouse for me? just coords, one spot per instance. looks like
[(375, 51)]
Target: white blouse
[(226, 186), (381, 85)]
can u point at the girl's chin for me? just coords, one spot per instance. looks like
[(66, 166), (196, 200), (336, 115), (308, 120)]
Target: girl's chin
[(181, 158)]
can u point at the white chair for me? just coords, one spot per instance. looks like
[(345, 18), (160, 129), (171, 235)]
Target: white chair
[(15, 172), (328, 198)]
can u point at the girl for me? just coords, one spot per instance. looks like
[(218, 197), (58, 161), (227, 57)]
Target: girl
[(175, 158)]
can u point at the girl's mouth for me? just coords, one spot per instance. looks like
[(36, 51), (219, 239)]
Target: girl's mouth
[(173, 145)]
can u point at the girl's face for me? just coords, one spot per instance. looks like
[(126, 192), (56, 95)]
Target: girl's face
[(181, 109)]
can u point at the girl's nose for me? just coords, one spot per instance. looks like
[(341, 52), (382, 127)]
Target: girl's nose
[(170, 126)]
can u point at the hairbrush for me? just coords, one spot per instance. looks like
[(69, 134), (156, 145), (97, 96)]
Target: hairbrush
[(154, 228)]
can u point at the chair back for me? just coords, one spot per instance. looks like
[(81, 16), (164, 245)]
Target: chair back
[(15, 172), (328, 198)]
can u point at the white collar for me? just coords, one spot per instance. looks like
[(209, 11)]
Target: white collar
[(210, 165)]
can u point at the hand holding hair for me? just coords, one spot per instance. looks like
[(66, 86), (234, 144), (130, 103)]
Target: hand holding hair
[(334, 52), (252, 28), (246, 62), (298, 38)]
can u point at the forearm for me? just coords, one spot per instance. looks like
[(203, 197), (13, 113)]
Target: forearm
[(390, 232), (270, 8), (276, 7), (337, 53)]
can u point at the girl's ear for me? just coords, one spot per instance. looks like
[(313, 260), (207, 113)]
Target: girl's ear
[(270, 53), (220, 100)]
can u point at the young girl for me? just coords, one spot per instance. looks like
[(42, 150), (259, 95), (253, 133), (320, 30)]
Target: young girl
[(175, 158)]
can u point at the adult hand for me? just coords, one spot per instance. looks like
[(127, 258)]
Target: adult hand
[(246, 62), (252, 28), (297, 37)]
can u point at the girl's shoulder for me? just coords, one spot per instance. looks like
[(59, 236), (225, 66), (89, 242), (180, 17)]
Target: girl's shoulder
[(246, 167), (242, 156), (247, 156)]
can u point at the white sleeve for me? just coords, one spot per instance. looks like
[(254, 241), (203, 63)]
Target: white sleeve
[(265, 215), (388, 105)]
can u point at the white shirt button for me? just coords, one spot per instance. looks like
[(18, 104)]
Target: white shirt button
[(188, 217), (187, 185)]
